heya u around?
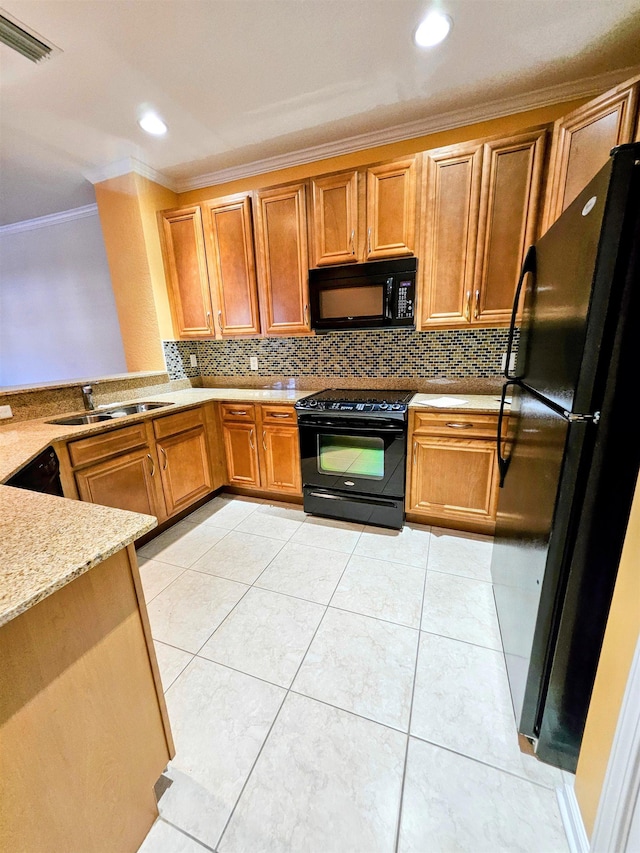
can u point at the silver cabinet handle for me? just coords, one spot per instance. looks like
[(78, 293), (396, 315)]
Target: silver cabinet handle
[(220, 322), (264, 440), (464, 425), (415, 451), (237, 412), (153, 467), (476, 307), (209, 321), (368, 241), (166, 461), (251, 444), (306, 313), (353, 241), (467, 307), (280, 415)]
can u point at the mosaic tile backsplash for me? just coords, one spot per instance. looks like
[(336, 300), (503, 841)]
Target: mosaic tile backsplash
[(455, 354)]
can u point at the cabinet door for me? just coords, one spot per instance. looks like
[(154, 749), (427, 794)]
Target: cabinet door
[(451, 227), (231, 261), (242, 454), (509, 200), (281, 459), (283, 263), (184, 468), (391, 209), (454, 480), (186, 270), (129, 481), (334, 219), (582, 141)]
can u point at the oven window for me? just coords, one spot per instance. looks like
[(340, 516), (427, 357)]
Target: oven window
[(359, 456), (351, 302)]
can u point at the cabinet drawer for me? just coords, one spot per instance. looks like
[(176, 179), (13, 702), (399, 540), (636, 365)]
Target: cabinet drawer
[(107, 444), (456, 424), (238, 412), (276, 414), (181, 421)]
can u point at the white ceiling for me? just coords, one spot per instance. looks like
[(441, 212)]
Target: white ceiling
[(242, 80)]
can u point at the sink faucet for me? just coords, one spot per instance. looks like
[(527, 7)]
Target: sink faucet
[(87, 396)]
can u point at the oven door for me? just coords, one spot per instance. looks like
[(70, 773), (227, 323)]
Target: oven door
[(350, 454)]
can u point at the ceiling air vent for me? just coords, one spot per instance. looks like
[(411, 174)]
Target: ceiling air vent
[(18, 38)]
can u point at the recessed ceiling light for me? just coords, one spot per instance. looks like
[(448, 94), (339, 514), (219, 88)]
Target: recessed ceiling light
[(433, 29), (152, 123)]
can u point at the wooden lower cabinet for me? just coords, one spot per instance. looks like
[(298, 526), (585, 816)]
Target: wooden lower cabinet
[(159, 466), (184, 468), (242, 454), (281, 459), (262, 447), (128, 481), (453, 481)]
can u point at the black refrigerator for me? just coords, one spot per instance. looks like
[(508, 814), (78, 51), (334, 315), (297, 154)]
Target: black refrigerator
[(570, 462)]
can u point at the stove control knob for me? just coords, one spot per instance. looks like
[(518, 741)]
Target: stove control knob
[(396, 406), (311, 403), (384, 405)]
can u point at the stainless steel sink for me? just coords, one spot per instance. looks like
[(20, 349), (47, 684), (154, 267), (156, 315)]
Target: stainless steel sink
[(109, 413)]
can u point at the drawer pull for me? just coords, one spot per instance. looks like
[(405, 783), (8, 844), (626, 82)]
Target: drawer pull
[(237, 412), (280, 414), (464, 425)]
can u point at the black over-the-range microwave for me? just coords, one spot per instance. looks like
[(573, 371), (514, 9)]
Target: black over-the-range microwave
[(375, 295)]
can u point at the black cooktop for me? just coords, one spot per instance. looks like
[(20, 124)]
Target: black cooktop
[(352, 399)]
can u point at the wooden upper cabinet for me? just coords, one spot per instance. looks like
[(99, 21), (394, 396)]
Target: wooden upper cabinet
[(283, 262), (512, 171), (334, 231), (453, 177), (186, 271), (582, 141), (481, 215), (391, 209), (231, 263)]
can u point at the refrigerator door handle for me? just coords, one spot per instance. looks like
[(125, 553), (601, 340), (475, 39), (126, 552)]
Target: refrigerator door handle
[(529, 266), (503, 462)]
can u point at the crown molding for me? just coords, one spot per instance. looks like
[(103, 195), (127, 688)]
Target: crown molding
[(50, 219), (586, 87), (125, 167)]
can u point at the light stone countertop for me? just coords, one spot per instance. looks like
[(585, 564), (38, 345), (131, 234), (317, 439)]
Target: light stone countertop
[(46, 542), (478, 403)]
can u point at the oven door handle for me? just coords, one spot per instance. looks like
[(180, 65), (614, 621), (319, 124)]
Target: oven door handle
[(354, 499), (374, 429)]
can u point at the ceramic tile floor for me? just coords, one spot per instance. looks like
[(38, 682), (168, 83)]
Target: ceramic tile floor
[(335, 688)]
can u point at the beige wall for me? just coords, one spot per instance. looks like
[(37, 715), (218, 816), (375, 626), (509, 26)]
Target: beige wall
[(621, 636), (126, 206)]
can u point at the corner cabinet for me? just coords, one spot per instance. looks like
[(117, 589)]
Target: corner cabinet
[(481, 214), (582, 141), (281, 249), (262, 447), (452, 478), (186, 273), (367, 215)]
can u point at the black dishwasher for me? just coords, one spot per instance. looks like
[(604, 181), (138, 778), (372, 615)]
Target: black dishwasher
[(42, 474)]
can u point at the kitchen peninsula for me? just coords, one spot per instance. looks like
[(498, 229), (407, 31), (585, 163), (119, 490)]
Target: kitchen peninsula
[(84, 732)]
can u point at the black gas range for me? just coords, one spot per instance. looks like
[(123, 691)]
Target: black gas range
[(353, 447)]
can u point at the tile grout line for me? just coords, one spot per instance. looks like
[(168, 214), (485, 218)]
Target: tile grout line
[(288, 691), (413, 690)]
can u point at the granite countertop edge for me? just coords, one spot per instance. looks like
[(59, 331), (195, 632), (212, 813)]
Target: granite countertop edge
[(38, 559)]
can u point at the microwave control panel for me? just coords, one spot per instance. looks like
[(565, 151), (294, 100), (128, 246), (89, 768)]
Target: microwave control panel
[(404, 300)]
